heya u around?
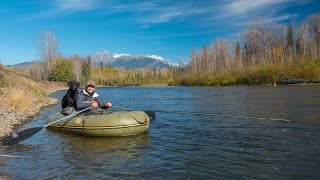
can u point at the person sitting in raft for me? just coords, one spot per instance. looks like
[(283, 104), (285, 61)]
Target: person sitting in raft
[(88, 97)]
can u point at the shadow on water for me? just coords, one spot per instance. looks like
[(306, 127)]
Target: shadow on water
[(61, 154)]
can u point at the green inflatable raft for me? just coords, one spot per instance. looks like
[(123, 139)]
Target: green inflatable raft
[(118, 123)]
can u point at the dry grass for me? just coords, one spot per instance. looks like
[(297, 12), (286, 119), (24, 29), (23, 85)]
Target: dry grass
[(24, 94), (19, 99), (262, 74)]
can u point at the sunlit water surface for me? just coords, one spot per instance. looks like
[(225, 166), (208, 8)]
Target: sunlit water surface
[(252, 133)]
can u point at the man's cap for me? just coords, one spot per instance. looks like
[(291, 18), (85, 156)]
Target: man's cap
[(91, 83)]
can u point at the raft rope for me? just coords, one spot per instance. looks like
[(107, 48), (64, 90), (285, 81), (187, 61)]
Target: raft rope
[(83, 121), (68, 121), (137, 120)]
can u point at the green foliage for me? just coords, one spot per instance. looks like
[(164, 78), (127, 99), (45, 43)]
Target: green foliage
[(86, 71), (61, 71)]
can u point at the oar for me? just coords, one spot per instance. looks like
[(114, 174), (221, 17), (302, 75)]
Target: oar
[(22, 135), (151, 114)]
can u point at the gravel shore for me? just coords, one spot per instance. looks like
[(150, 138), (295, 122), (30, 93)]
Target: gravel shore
[(22, 97), (11, 119)]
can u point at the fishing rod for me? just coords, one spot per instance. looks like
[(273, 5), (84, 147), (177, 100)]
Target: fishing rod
[(222, 115), (206, 114)]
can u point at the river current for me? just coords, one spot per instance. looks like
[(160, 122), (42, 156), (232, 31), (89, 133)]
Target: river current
[(199, 133)]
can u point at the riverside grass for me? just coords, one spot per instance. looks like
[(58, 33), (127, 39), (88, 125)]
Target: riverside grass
[(254, 75), (23, 93), (22, 97)]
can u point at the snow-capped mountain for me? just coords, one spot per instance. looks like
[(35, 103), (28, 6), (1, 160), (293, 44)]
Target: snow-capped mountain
[(182, 63), (127, 61), (119, 55)]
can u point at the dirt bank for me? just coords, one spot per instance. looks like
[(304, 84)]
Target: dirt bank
[(22, 98)]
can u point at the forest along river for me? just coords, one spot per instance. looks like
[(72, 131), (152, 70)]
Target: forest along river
[(255, 133)]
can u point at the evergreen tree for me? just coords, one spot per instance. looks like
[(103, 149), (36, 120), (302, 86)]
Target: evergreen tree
[(61, 71), (290, 42), (86, 66)]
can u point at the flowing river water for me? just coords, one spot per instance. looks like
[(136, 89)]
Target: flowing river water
[(237, 133)]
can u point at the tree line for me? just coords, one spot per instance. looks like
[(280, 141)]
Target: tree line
[(263, 42), (265, 48), (79, 68)]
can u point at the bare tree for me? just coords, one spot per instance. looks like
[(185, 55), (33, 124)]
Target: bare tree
[(238, 56), (77, 66), (302, 40), (48, 44), (279, 44), (314, 23), (261, 40)]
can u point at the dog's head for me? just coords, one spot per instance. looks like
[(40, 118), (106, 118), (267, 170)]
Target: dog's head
[(73, 85)]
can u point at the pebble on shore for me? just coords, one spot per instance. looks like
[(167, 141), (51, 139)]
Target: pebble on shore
[(22, 98), (11, 119)]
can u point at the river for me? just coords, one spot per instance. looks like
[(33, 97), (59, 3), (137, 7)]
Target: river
[(237, 133)]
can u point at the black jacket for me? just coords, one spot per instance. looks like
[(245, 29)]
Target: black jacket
[(84, 100)]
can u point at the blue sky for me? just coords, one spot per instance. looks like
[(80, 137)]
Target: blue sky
[(169, 29)]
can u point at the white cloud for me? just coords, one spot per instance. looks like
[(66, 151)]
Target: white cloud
[(176, 35), (244, 6), (64, 7), (77, 5), (200, 13), (269, 8)]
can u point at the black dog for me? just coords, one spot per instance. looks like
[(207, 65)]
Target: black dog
[(69, 100)]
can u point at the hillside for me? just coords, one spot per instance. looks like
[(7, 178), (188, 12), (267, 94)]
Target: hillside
[(22, 97)]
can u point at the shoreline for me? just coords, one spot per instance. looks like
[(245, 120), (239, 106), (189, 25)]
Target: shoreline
[(11, 120)]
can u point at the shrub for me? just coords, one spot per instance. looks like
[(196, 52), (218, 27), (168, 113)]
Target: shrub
[(61, 71)]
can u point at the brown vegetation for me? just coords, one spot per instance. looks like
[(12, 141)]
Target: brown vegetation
[(22, 97), (267, 52)]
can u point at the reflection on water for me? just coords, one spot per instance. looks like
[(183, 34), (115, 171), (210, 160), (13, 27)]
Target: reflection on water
[(98, 147), (185, 146)]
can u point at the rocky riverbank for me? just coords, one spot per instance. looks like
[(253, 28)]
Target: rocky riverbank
[(11, 119), (22, 98)]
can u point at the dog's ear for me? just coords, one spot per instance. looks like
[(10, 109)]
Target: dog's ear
[(78, 84), (69, 84)]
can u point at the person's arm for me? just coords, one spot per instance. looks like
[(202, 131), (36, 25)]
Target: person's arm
[(101, 103), (80, 104)]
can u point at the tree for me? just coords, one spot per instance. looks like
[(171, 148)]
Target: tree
[(290, 41), (302, 40), (101, 65), (86, 70), (314, 23), (238, 55), (48, 47), (61, 71), (77, 64)]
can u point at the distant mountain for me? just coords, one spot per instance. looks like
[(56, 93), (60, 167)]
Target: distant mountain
[(123, 60), (133, 61), (23, 64), (182, 63)]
